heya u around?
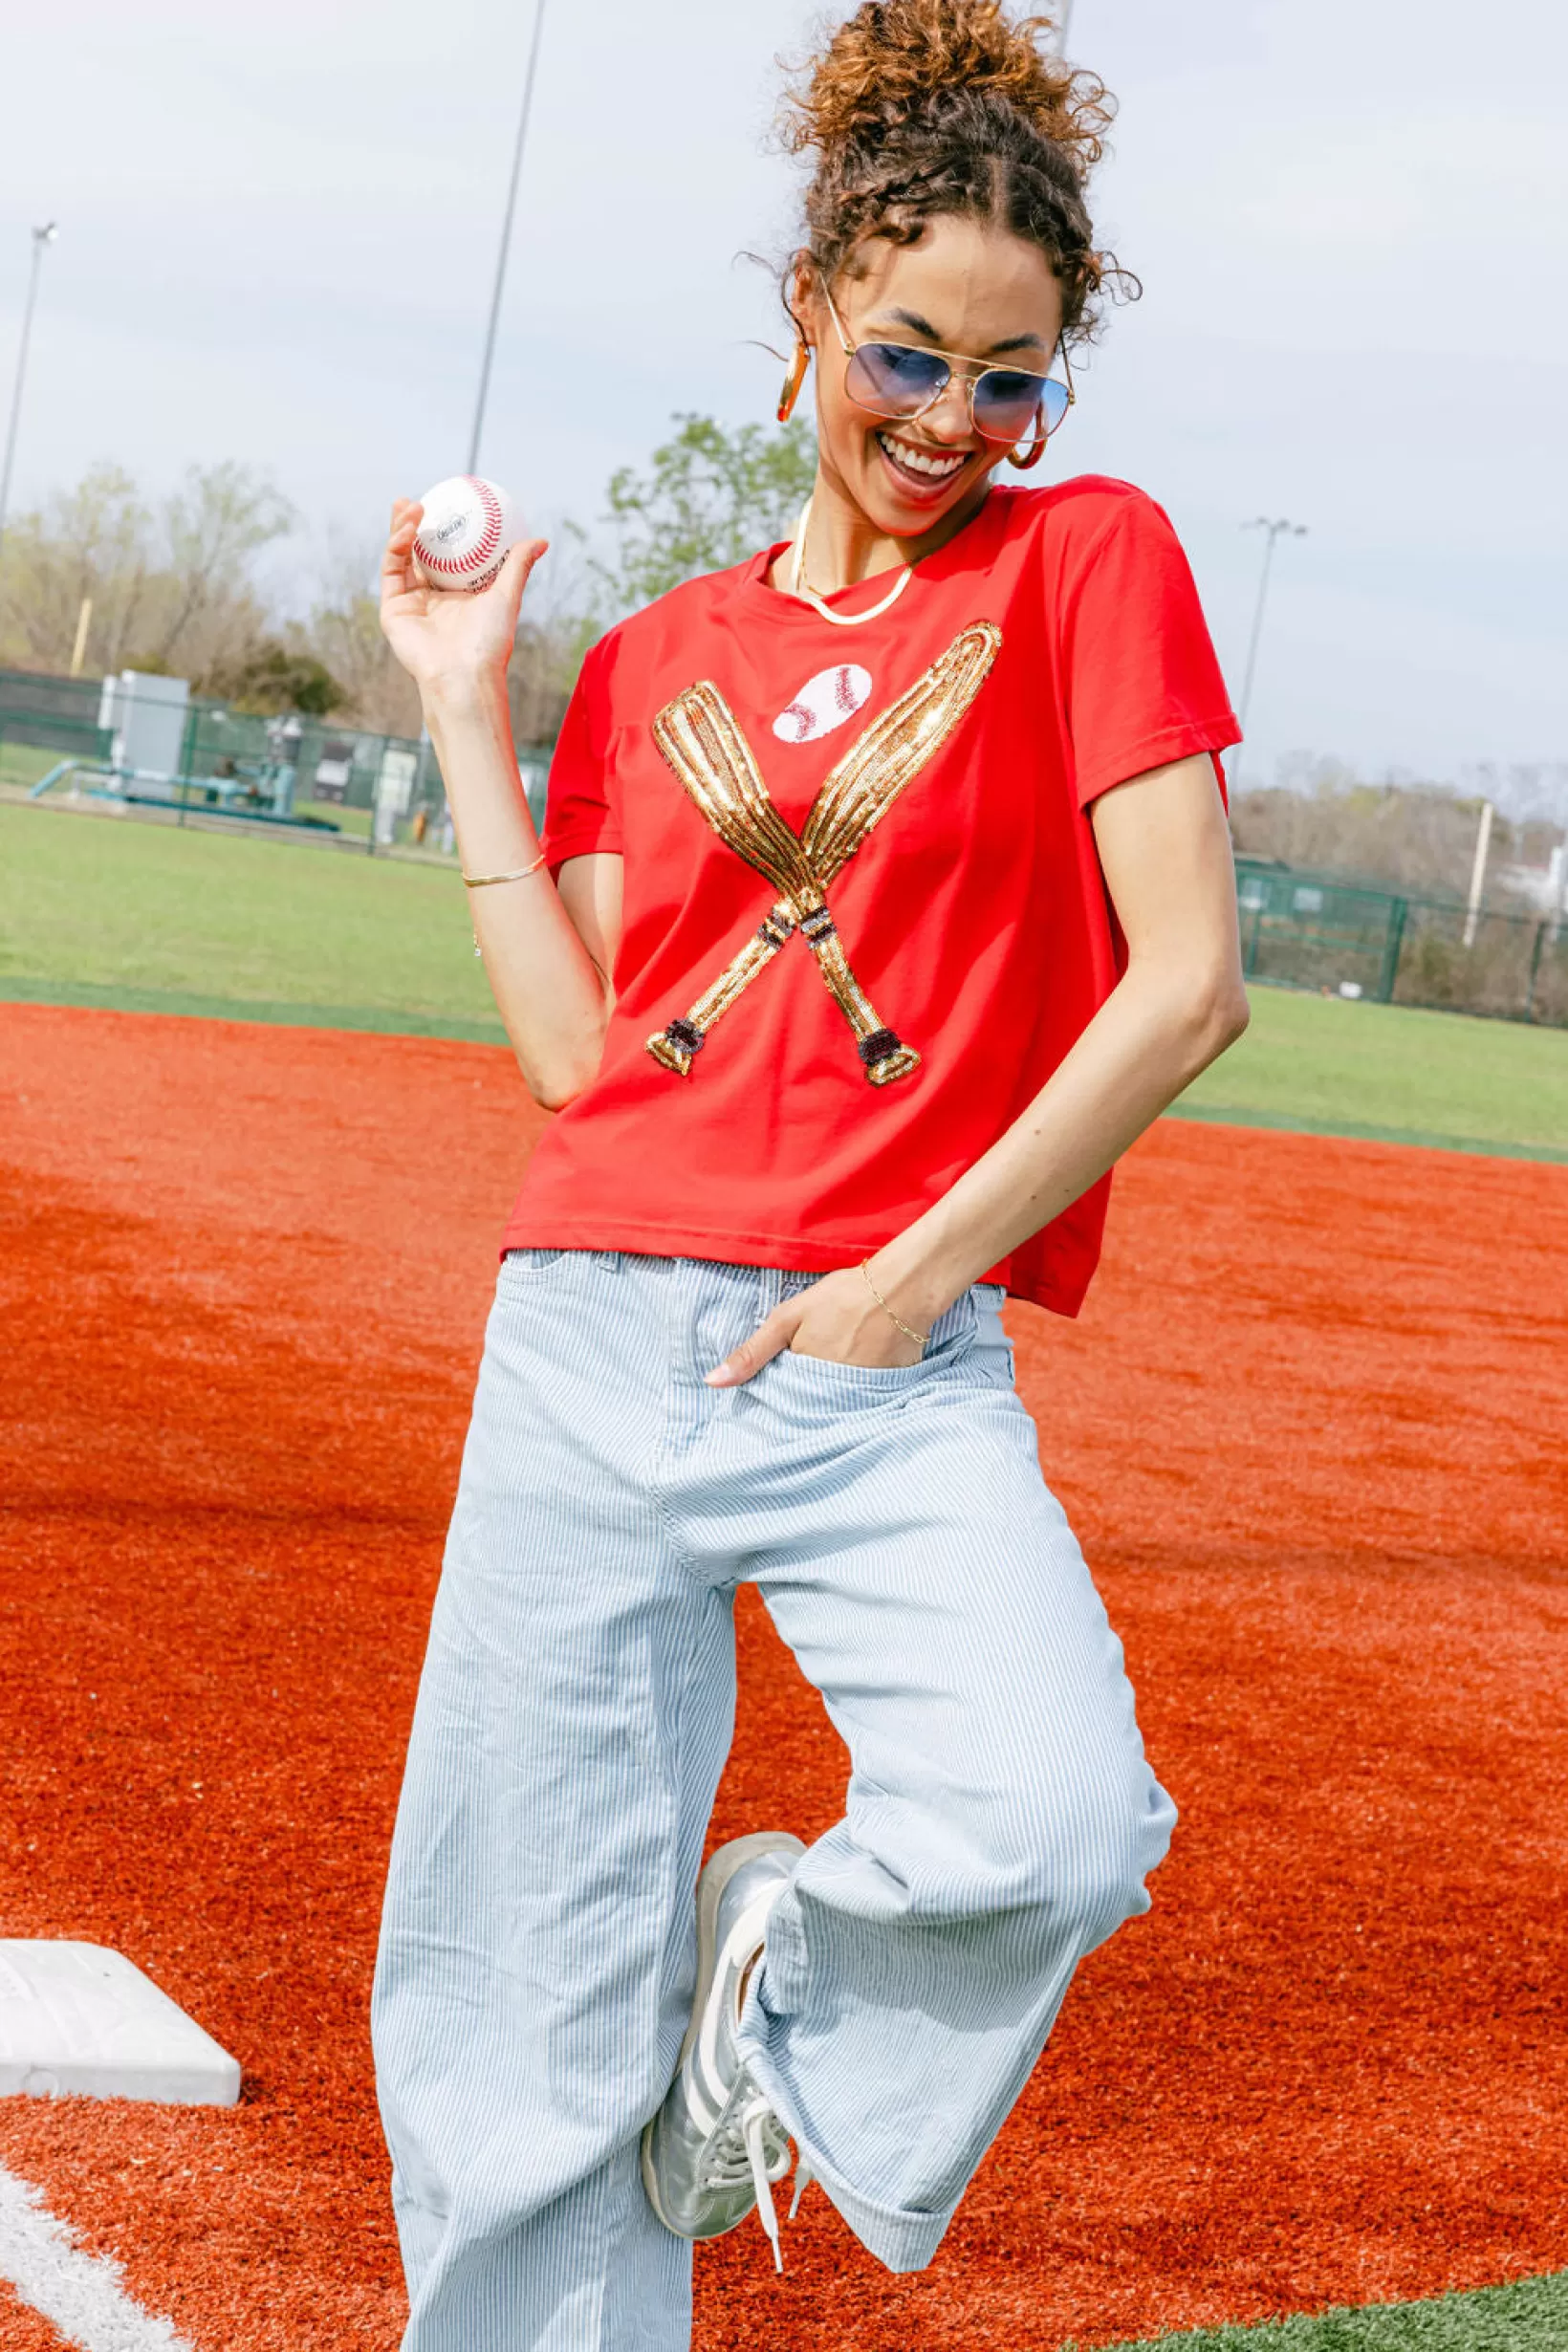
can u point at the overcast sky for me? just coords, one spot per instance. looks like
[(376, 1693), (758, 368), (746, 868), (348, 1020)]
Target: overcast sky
[(278, 230)]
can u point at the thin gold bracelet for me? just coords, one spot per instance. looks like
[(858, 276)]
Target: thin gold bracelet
[(920, 1338), (483, 881)]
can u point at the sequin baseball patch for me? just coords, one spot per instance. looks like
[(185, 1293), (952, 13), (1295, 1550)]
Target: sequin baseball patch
[(823, 703)]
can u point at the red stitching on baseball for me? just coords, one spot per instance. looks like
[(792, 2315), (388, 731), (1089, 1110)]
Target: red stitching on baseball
[(491, 505), (458, 567)]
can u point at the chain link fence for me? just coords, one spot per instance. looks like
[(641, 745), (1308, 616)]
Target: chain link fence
[(145, 741), (55, 715), (1308, 931)]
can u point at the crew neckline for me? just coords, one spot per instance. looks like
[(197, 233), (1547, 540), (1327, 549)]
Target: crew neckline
[(933, 567)]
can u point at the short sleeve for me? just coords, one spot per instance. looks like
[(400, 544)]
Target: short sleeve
[(1141, 680), (578, 816)]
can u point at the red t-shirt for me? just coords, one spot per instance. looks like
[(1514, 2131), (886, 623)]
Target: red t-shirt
[(896, 811)]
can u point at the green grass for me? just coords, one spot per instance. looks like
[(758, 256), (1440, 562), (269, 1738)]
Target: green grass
[(104, 910), (100, 905), (1530, 2316), (25, 763), (1318, 1061)]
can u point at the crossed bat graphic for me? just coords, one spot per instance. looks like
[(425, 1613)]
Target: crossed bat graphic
[(700, 739)]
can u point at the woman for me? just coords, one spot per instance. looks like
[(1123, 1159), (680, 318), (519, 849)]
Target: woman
[(955, 748)]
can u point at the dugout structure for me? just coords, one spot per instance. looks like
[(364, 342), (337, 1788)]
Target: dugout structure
[(83, 717), (44, 719)]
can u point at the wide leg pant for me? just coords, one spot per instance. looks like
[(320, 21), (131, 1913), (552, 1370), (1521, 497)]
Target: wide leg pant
[(537, 1950)]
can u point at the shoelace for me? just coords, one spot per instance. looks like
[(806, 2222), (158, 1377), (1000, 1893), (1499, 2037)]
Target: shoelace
[(754, 2146), (803, 2179)]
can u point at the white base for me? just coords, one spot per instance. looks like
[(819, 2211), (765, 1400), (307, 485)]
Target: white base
[(79, 2022)]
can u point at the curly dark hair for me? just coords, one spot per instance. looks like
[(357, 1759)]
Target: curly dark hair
[(921, 108)]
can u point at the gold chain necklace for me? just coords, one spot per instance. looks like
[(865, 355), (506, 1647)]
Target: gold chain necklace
[(800, 585)]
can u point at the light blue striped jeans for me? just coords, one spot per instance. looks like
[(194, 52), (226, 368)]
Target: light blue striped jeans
[(538, 1949)]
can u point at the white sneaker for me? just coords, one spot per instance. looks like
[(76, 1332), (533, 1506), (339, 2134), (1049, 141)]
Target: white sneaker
[(715, 2148)]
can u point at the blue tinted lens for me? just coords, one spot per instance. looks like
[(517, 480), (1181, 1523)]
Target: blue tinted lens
[(1056, 399), (894, 380), (1007, 402)]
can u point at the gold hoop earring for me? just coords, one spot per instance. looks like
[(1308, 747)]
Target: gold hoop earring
[(794, 381), (1036, 447)]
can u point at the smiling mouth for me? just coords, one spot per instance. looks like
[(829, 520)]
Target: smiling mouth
[(927, 469)]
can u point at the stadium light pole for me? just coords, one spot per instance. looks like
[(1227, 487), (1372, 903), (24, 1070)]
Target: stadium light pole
[(1281, 528), (42, 238), (524, 111)]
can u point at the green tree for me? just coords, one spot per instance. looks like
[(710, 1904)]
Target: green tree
[(710, 497), (274, 678)]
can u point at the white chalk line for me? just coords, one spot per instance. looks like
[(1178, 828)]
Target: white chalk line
[(84, 2294)]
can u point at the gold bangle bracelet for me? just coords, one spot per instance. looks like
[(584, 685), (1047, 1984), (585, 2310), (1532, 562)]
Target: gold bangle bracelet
[(484, 881), (920, 1338)]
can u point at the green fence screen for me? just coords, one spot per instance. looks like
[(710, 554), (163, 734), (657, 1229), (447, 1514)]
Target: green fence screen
[(1311, 932), (46, 719)]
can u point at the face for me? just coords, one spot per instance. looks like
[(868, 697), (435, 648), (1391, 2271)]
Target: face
[(963, 287)]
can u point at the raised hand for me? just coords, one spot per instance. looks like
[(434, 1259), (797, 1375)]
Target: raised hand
[(443, 634)]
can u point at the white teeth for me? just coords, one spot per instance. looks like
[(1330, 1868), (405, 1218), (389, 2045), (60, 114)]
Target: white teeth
[(907, 455)]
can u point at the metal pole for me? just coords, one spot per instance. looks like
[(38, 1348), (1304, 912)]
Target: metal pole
[(506, 238), (42, 237), (1272, 530), (1064, 27), (1557, 890), (1478, 873), (1535, 971), (85, 621), (1399, 910)]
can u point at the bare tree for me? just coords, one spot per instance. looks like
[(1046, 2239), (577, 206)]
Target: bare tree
[(214, 527), (1417, 837), (560, 621), (172, 590), (94, 541), (344, 631)]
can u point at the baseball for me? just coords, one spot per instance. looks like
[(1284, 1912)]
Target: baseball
[(823, 703), (468, 526)]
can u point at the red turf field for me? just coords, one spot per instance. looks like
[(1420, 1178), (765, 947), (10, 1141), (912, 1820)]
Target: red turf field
[(1311, 1431)]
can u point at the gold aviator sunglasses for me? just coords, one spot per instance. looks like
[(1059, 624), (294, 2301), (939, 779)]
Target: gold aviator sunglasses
[(904, 381)]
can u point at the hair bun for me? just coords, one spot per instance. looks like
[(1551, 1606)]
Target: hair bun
[(897, 62)]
